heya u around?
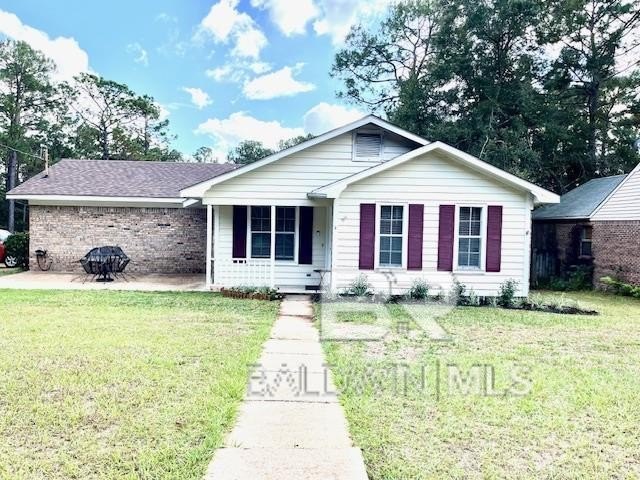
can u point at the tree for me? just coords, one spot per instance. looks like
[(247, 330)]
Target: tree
[(600, 50), (482, 76), (391, 67), (292, 142), (205, 155), (27, 98), (114, 122), (248, 151)]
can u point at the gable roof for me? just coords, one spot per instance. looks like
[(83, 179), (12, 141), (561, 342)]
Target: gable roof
[(198, 189), (541, 195), (117, 178), (582, 201)]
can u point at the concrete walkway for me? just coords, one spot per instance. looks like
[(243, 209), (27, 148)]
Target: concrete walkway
[(34, 279), (290, 424)]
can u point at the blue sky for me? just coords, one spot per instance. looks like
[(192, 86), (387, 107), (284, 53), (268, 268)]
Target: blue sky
[(222, 70)]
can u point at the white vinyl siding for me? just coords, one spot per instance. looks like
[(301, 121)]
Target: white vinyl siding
[(624, 204), (292, 177), (433, 180)]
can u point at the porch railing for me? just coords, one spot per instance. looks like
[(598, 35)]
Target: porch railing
[(241, 272)]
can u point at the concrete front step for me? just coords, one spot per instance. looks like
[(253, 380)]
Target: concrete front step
[(286, 425), (287, 464)]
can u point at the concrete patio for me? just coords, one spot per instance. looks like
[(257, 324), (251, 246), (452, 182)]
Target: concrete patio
[(73, 281)]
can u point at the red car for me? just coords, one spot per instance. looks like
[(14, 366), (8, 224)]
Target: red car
[(11, 261)]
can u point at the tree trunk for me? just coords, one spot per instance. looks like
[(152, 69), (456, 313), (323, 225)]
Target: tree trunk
[(12, 174)]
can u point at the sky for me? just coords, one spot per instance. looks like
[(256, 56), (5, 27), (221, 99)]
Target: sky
[(221, 71)]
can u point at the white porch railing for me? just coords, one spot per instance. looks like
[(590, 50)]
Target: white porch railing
[(231, 272)]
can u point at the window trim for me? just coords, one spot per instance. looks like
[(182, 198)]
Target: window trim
[(354, 140), (405, 231), (296, 233), (584, 240), (483, 238)]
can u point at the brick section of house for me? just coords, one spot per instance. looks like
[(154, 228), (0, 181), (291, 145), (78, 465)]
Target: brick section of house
[(568, 240), (616, 250), (158, 240)]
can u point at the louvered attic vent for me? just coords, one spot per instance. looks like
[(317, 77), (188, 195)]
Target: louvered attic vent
[(368, 145)]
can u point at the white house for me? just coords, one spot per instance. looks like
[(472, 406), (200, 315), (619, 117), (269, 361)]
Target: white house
[(367, 198)]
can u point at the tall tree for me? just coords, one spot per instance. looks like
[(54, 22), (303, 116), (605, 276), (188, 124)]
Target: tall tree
[(600, 48), (27, 97), (248, 151), (205, 155)]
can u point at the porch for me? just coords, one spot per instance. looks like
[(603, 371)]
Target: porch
[(283, 245)]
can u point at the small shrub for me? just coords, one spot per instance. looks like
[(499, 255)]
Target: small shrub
[(621, 288), (360, 286), (473, 299), (457, 294), (17, 245), (507, 293), (419, 290)]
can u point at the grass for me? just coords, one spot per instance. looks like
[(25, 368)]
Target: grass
[(565, 403), (121, 384), (9, 271)]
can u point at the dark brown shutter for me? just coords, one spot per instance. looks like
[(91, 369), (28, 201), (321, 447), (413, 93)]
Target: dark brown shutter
[(414, 241), (367, 235), (305, 236), (239, 231), (446, 229), (494, 238)]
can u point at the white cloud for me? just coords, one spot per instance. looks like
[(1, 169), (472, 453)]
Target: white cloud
[(237, 71), (324, 117), (290, 17), (225, 23), (229, 132), (337, 16), (199, 97), (140, 55), (65, 52), (277, 84)]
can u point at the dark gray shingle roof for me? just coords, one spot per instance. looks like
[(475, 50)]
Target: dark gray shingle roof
[(581, 201), (120, 178)]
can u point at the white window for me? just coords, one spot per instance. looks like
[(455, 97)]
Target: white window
[(367, 146), (469, 237), (391, 235), (285, 232), (260, 232), (585, 242)]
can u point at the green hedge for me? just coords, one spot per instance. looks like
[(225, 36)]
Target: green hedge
[(17, 245)]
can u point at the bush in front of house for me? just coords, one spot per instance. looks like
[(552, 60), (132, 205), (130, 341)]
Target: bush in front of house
[(360, 286), (253, 293), (621, 288), (419, 289), (507, 293), (17, 246), (579, 277)]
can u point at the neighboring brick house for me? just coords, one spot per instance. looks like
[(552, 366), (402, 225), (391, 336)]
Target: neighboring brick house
[(566, 234), (616, 232)]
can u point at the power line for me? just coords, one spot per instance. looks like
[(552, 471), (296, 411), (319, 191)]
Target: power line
[(20, 151)]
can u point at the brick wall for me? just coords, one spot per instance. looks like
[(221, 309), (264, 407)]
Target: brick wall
[(616, 250), (158, 240)]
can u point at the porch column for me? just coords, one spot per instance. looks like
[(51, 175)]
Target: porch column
[(215, 278), (272, 257), (209, 237)]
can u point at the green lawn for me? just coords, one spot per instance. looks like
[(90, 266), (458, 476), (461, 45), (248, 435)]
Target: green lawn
[(580, 418), (9, 271), (121, 384)]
